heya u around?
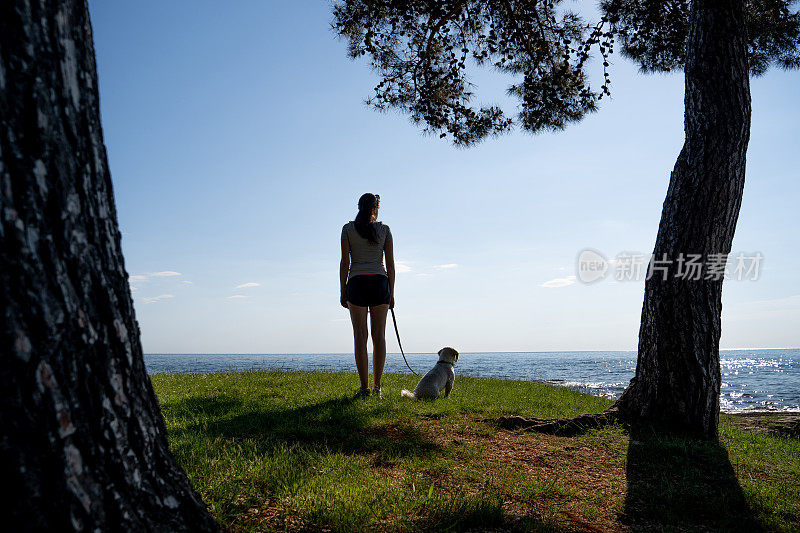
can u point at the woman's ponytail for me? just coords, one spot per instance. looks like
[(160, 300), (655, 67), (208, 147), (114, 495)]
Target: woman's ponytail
[(363, 222)]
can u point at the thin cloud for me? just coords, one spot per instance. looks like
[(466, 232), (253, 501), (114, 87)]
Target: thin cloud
[(785, 307), (559, 282), (146, 277), (784, 302), (186, 282), (153, 299), (401, 267), (793, 300), (236, 296), (248, 285), (445, 266)]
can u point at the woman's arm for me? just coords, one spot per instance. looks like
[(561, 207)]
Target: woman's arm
[(344, 268), (388, 249)]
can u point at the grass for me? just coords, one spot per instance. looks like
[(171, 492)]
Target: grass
[(292, 451)]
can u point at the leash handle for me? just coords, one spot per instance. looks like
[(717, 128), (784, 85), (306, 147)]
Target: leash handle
[(394, 320)]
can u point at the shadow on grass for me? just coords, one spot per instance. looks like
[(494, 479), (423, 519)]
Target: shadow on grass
[(338, 425), (679, 483), (205, 407), (459, 513)]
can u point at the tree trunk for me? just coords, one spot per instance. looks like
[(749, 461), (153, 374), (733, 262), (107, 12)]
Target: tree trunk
[(82, 441), (677, 378)]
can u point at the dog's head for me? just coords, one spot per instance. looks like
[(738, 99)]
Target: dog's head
[(448, 354)]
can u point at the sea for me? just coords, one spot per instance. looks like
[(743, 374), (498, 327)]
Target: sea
[(752, 380)]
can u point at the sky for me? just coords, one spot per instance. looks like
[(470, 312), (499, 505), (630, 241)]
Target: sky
[(239, 144)]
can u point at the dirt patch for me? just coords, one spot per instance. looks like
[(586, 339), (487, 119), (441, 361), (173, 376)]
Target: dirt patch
[(388, 431), (570, 483), (783, 424), (268, 516)]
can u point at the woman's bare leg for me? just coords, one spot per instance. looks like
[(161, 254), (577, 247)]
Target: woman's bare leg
[(378, 327), (358, 315)]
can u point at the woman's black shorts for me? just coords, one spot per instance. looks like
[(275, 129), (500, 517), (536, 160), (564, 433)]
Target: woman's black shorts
[(368, 290)]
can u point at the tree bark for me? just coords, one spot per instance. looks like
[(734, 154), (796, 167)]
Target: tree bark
[(677, 380), (82, 442)]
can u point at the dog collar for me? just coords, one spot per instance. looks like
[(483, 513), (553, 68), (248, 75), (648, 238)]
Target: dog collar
[(445, 363)]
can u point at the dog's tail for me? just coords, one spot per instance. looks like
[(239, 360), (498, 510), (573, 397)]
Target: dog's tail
[(407, 394)]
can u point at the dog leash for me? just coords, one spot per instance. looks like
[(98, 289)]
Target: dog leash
[(400, 344)]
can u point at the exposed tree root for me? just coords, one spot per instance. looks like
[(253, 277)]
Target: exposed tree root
[(565, 427)]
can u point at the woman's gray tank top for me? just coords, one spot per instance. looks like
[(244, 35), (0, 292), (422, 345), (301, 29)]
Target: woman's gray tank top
[(366, 257)]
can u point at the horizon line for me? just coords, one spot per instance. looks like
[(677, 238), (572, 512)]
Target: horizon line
[(429, 353)]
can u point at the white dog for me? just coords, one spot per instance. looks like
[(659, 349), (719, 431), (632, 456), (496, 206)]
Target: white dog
[(441, 376)]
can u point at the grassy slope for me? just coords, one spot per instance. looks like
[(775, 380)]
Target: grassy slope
[(275, 450)]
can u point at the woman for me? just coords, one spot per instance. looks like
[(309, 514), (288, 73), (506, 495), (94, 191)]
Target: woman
[(367, 286)]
